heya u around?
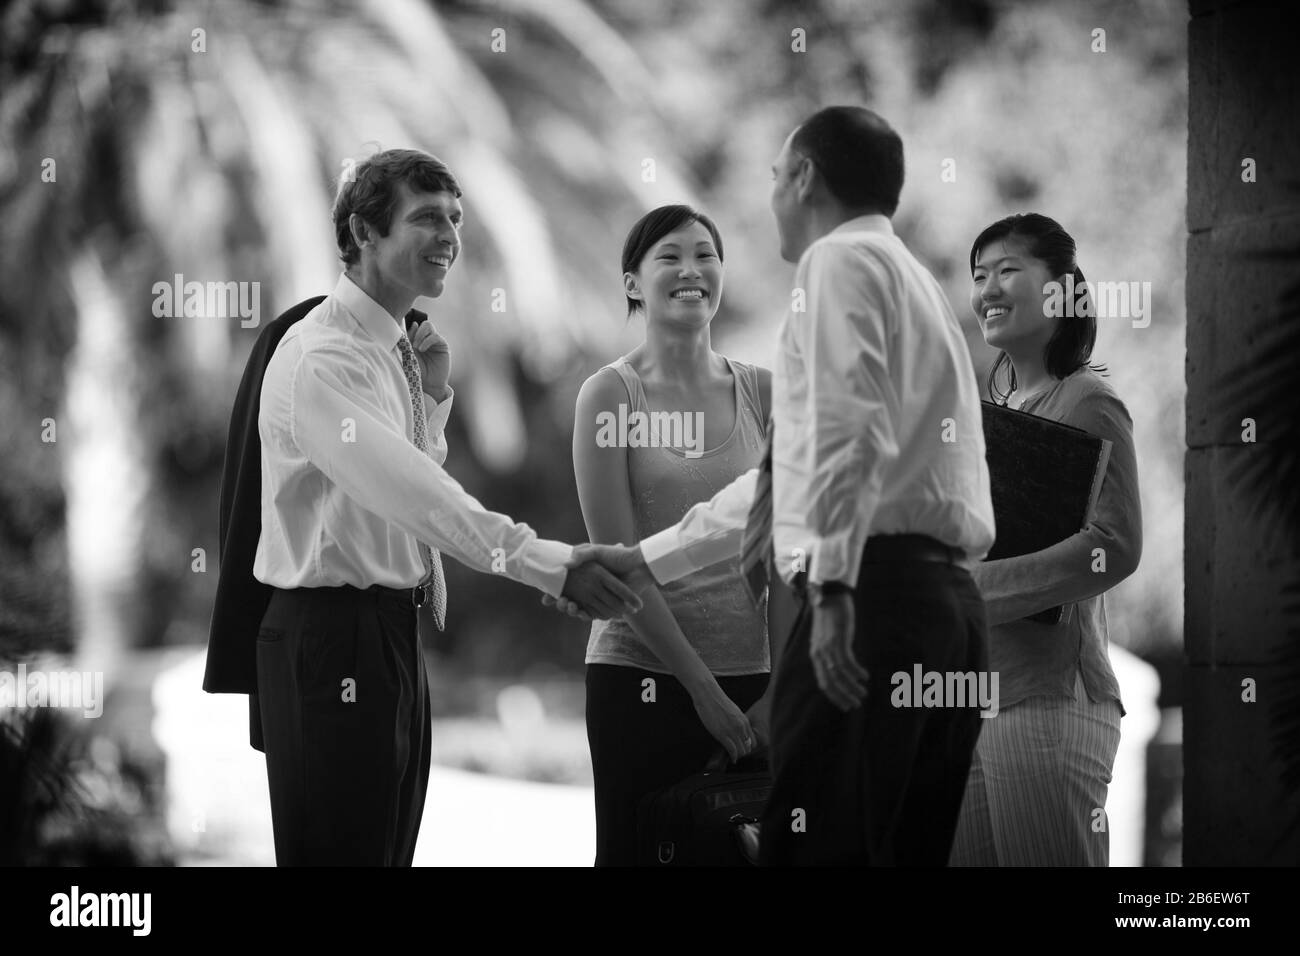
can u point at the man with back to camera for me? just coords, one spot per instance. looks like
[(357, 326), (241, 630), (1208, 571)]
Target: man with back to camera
[(864, 508)]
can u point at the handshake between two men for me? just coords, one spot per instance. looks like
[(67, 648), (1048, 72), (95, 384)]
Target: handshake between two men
[(605, 582)]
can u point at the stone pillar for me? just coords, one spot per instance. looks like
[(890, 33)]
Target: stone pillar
[(1243, 105)]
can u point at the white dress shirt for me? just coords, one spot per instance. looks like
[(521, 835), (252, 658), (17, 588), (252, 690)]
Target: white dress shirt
[(877, 420), (345, 492)]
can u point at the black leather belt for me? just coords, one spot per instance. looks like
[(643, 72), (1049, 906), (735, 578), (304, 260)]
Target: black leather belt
[(415, 595), (909, 547), (346, 592), (896, 548)]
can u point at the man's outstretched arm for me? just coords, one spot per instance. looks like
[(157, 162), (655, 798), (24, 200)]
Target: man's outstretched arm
[(710, 532), (378, 467)]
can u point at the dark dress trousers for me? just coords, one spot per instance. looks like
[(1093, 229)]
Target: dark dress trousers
[(880, 785)]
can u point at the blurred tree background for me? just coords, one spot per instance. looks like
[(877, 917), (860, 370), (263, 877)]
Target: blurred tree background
[(564, 120)]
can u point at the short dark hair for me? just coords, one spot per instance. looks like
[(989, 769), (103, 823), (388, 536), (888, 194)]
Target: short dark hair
[(857, 153), (652, 227), (1070, 346), (369, 189)]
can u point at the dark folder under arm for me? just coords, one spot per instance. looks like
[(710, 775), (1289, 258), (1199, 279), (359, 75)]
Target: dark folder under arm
[(1045, 478)]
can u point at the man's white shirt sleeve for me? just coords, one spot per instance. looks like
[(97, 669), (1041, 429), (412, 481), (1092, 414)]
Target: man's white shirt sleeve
[(710, 532), (849, 411), (385, 473)]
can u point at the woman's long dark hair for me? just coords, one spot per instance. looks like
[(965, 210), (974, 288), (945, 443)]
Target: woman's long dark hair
[(1070, 346), (652, 227)]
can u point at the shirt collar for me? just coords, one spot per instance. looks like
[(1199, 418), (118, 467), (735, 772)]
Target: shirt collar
[(872, 222), (370, 315)]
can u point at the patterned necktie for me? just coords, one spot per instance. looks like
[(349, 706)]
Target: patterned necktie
[(756, 542), (435, 587)]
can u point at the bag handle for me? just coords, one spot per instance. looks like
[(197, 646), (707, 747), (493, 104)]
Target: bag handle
[(756, 761)]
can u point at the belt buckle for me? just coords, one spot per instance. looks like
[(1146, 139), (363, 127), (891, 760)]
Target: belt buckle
[(417, 595)]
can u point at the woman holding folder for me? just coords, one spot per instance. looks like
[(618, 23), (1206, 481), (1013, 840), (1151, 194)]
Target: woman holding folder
[(1036, 792)]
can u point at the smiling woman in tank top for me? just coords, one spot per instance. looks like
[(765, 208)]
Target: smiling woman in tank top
[(667, 425)]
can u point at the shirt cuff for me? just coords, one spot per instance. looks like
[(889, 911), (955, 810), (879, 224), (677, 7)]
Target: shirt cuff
[(665, 556), (834, 559), (437, 413), (543, 565)]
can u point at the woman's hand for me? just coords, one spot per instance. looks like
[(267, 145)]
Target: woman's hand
[(760, 718), (725, 721)]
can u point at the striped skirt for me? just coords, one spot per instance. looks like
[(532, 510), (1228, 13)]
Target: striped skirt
[(1036, 793)]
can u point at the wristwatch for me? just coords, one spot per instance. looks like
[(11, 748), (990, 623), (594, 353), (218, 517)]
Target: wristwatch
[(825, 589)]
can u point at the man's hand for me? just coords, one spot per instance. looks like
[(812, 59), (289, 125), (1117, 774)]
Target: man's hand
[(627, 563), (594, 592), (434, 355), (565, 606), (839, 675), (623, 561)]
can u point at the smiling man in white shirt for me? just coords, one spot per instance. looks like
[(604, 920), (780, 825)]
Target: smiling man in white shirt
[(875, 501), (356, 513)]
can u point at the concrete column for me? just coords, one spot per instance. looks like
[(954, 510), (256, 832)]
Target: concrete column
[(1243, 105)]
